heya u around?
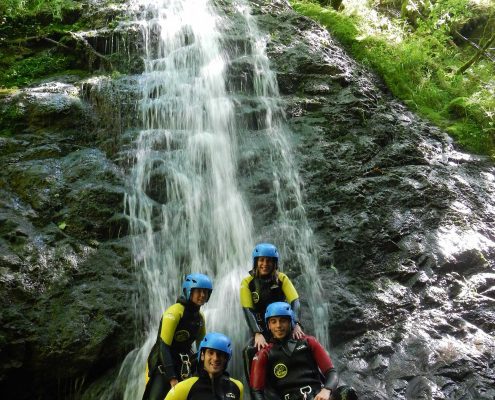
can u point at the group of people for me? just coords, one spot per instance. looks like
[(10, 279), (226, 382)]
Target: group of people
[(281, 362)]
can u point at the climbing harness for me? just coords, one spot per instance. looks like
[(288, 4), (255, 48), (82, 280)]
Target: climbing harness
[(185, 369)]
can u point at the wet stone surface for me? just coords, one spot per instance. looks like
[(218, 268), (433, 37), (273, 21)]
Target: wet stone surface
[(404, 223)]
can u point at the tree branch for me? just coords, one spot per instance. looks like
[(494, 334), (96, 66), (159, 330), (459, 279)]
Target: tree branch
[(477, 56), (471, 43), (90, 48)]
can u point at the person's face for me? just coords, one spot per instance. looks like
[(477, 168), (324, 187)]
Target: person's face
[(265, 265), (214, 361), (199, 296), (279, 327)]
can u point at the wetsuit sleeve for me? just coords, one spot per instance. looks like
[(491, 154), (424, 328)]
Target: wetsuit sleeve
[(288, 288), (324, 363), (320, 355), (170, 320), (258, 370), (181, 390), (246, 297), (202, 331), (251, 321), (240, 386), (296, 306), (248, 306), (331, 379)]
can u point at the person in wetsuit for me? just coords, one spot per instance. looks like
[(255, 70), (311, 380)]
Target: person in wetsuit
[(181, 324), (295, 369), (265, 285), (211, 382)]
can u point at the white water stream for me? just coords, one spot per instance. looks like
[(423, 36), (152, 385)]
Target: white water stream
[(186, 211)]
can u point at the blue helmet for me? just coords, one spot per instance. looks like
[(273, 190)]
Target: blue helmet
[(196, 281), (279, 309), (265, 250), (216, 341)]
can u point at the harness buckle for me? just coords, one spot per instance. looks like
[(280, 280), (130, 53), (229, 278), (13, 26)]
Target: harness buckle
[(305, 390), (185, 369)]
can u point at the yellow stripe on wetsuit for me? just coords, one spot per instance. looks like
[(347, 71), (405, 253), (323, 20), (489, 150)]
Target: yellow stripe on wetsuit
[(182, 389)]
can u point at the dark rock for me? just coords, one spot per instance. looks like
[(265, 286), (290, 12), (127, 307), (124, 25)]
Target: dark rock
[(403, 223)]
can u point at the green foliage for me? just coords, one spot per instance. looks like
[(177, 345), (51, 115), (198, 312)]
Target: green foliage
[(21, 8), (419, 65), (29, 69)]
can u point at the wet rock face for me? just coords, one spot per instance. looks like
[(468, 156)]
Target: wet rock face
[(404, 224), (65, 273)]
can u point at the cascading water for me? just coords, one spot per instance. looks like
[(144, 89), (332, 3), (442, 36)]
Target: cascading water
[(186, 211), (292, 225)]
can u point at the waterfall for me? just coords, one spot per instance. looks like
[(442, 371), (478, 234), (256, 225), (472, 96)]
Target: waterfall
[(186, 211), (292, 225)]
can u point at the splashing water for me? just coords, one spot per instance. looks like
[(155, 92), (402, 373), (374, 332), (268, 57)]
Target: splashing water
[(186, 212), (292, 222)]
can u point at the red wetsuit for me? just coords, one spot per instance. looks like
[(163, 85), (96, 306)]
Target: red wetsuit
[(289, 365)]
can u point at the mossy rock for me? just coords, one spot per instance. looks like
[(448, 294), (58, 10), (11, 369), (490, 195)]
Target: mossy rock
[(458, 107)]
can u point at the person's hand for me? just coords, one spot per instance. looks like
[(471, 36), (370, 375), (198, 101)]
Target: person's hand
[(173, 382), (297, 332), (324, 394), (259, 341)]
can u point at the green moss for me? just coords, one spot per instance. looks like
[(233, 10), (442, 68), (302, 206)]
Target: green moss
[(29, 69), (21, 8), (419, 68)]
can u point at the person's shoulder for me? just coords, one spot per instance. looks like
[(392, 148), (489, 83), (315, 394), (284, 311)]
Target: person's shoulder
[(237, 383), (263, 352), (310, 339), (247, 279), (181, 390), (176, 309), (282, 277)]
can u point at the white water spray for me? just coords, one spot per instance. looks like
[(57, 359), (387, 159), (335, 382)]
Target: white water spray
[(186, 212), (292, 222)]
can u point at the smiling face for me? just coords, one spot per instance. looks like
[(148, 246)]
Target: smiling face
[(214, 361), (279, 327), (199, 296), (265, 265)]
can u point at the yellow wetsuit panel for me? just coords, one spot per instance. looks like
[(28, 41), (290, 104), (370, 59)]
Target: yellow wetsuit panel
[(170, 320), (288, 288), (246, 296), (240, 386), (181, 390)]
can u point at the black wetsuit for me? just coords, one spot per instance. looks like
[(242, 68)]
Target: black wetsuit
[(180, 326)]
